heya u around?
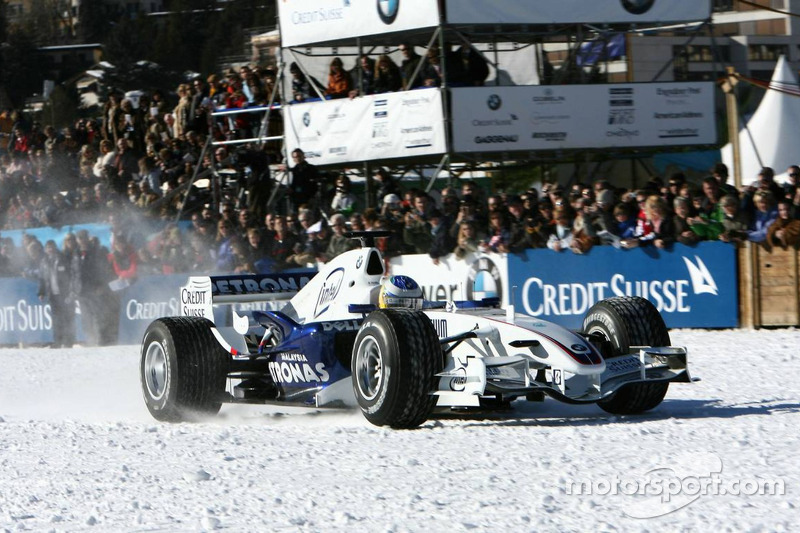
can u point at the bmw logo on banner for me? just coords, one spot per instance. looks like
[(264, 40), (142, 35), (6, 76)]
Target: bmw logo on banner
[(637, 7), (494, 102), (484, 280), (387, 10)]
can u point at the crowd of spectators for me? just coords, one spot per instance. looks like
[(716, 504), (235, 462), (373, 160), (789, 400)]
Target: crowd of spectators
[(133, 162), (575, 219), (465, 67)]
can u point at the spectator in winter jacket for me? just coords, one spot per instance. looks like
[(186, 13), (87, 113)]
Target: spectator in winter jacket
[(658, 228), (344, 201), (123, 259), (561, 238), (734, 227), (339, 244), (785, 231), (57, 287), (442, 242), (338, 80), (468, 241), (764, 217), (625, 223), (417, 232), (224, 243), (388, 77), (683, 229)]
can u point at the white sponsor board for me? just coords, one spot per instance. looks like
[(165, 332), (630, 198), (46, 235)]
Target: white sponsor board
[(575, 11), (304, 22), (402, 124), (475, 277), (491, 119)]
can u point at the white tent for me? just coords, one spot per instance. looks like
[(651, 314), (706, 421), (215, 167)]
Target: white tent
[(773, 132)]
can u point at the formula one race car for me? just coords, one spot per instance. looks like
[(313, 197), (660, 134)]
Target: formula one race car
[(350, 335)]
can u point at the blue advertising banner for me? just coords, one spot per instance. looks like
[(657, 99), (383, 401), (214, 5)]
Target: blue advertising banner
[(46, 233), (692, 287), (148, 298), (152, 297), (23, 318)]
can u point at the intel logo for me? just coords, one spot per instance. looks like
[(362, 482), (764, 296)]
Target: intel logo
[(387, 10)]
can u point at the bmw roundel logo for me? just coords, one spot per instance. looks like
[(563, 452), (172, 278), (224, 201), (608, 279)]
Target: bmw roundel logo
[(306, 119), (387, 10), (483, 280), (494, 102), (637, 7)]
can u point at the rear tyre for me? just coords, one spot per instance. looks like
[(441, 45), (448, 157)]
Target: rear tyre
[(616, 324), (395, 360), (182, 369)]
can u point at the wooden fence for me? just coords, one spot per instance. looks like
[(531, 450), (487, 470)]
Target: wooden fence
[(769, 286)]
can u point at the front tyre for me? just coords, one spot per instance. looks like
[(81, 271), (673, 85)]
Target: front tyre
[(396, 357), (616, 324), (182, 369)]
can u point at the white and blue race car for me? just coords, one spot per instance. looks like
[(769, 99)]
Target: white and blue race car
[(351, 335)]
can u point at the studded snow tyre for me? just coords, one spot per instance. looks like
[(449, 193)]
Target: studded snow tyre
[(183, 369), (616, 324), (395, 360)]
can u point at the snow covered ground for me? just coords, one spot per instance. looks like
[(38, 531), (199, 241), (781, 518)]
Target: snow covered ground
[(79, 452)]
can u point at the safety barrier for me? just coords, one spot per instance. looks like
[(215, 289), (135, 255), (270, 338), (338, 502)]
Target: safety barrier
[(693, 287)]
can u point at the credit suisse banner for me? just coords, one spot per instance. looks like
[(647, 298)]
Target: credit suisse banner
[(574, 11), (384, 126), (549, 117), (23, 318), (304, 22), (691, 286)]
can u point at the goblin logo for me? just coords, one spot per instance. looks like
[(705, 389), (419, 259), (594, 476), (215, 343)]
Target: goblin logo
[(329, 291), (387, 10), (484, 280), (637, 7), (494, 102), (306, 119)]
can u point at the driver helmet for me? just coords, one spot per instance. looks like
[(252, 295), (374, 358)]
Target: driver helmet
[(400, 291)]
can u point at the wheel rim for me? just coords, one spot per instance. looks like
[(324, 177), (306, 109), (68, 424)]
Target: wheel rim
[(594, 330), (369, 368), (155, 370), (606, 349)]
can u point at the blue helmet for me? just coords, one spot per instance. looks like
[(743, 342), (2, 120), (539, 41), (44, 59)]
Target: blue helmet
[(400, 291)]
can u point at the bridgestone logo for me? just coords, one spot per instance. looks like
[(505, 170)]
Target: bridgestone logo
[(603, 319)]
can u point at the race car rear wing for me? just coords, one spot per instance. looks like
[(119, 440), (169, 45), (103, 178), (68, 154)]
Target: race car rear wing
[(202, 292)]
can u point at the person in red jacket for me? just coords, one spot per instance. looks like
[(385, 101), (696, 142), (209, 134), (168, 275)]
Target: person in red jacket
[(123, 259)]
